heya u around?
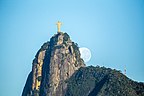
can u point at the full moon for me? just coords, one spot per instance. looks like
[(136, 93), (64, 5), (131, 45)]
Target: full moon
[(85, 54)]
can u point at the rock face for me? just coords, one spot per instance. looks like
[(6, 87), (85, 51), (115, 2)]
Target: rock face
[(52, 66)]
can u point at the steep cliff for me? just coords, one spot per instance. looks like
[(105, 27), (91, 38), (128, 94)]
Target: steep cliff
[(52, 66)]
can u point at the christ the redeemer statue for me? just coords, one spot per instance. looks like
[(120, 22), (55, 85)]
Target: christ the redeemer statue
[(58, 25)]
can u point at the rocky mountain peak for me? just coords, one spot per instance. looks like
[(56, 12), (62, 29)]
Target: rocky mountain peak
[(58, 70), (53, 64)]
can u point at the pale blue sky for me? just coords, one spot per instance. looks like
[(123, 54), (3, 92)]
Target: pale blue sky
[(112, 29)]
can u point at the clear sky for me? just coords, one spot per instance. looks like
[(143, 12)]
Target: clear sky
[(112, 29)]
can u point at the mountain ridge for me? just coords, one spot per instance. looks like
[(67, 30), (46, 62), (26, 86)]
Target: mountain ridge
[(58, 70), (101, 81)]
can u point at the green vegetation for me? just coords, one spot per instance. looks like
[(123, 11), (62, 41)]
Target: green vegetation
[(39, 78), (76, 49), (35, 92), (45, 46), (54, 39), (66, 37), (101, 81)]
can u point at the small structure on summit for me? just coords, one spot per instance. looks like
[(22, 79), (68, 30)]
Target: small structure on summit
[(58, 26), (125, 70)]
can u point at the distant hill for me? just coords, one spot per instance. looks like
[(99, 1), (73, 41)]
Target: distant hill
[(58, 70), (101, 81)]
